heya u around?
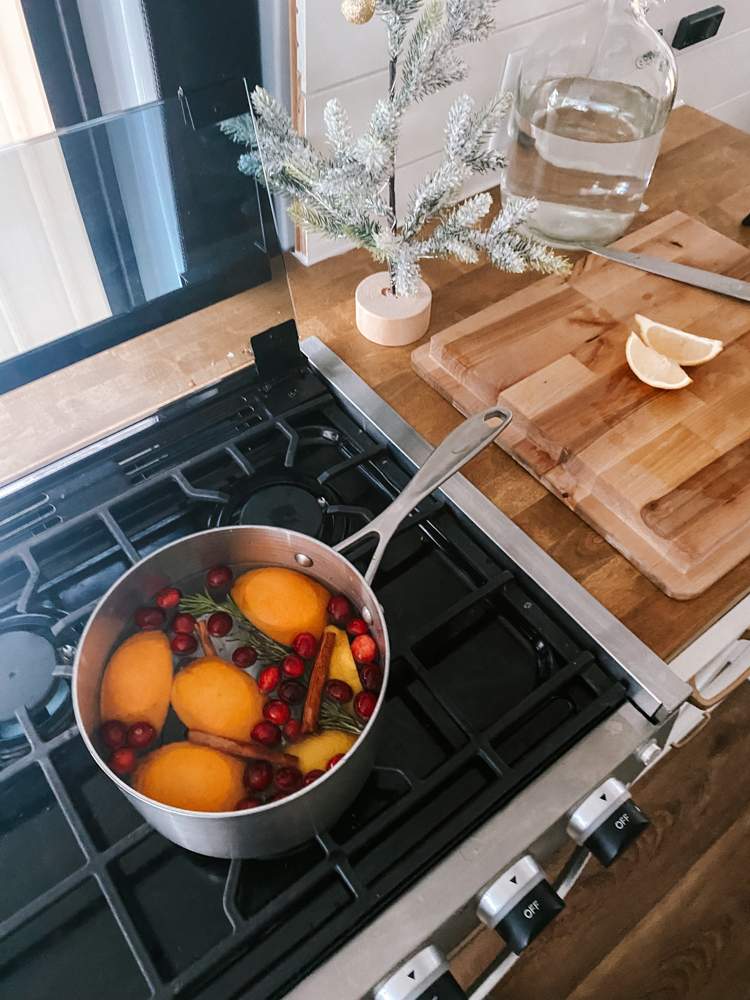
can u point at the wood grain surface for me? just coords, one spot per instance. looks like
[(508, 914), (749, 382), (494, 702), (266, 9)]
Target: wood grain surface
[(668, 920), (704, 170), (663, 476)]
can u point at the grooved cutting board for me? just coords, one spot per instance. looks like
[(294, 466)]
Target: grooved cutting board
[(664, 476)]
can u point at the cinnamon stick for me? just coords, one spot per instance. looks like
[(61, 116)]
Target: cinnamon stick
[(207, 643), (248, 751), (318, 678)]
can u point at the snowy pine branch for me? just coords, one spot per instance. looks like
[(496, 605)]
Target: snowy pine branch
[(342, 192)]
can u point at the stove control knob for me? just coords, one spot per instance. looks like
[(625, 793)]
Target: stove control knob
[(424, 977), (607, 821), (519, 904)]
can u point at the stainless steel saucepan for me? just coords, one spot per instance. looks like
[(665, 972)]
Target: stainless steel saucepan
[(279, 826)]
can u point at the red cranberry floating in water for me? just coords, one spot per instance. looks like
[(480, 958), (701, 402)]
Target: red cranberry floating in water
[(288, 779), (364, 649), (364, 704), (277, 712), (248, 804), (339, 691), (218, 577), (334, 761), (244, 656), (292, 730), (258, 775), (113, 734), (268, 678), (219, 624), (266, 733), (140, 735), (313, 776), (149, 617), (305, 645), (292, 692), (184, 644), (339, 608), (371, 675), (184, 623), (123, 761), (168, 597), (293, 666), (357, 626)]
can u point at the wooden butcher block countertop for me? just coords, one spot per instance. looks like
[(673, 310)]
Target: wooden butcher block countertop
[(704, 170)]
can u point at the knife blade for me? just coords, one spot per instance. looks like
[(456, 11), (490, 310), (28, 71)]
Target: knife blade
[(719, 283)]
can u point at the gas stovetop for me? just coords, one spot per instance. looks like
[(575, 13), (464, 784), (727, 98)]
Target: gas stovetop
[(491, 684)]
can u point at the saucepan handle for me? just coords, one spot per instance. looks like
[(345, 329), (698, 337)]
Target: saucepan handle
[(462, 444)]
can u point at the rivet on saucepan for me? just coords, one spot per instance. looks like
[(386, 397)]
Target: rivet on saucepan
[(367, 615), (302, 560)]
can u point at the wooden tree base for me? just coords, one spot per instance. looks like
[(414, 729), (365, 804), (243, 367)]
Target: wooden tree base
[(387, 319)]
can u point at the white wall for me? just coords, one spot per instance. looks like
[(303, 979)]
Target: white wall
[(336, 59)]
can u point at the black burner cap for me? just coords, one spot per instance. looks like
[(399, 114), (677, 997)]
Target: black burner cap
[(26, 664), (284, 505)]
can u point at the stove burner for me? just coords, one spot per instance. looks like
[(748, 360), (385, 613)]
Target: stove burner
[(285, 506), (28, 656), (288, 500)]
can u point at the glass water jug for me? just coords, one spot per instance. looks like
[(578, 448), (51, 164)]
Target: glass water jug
[(591, 102)]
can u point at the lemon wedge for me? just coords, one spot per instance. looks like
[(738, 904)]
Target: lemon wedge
[(653, 368), (685, 348)]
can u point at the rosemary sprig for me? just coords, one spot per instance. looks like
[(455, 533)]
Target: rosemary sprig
[(333, 716), (203, 604)]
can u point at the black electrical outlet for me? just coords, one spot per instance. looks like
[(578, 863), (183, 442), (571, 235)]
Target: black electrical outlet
[(698, 27)]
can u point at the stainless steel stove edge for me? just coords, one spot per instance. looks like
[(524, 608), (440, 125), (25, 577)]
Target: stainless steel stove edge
[(652, 686), (441, 908)]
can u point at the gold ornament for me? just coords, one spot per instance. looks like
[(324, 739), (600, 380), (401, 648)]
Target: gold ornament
[(358, 11)]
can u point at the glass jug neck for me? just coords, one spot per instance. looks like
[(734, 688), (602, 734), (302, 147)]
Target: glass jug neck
[(623, 9)]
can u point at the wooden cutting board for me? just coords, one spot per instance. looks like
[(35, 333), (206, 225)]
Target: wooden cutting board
[(663, 476)]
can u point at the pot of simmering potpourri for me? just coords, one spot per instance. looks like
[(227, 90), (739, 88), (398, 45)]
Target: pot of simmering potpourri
[(292, 811)]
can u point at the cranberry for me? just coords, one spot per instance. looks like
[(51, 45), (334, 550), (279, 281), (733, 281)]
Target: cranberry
[(339, 608), (313, 776), (114, 734), (140, 735), (293, 666), (357, 626), (371, 675), (249, 803), (334, 761), (339, 691), (219, 623), (292, 692), (278, 796), (168, 597), (268, 678), (277, 712), (305, 645), (364, 649), (123, 761), (149, 617), (258, 775), (288, 779), (184, 644), (364, 704), (266, 733), (244, 656), (184, 623), (218, 577), (292, 730)]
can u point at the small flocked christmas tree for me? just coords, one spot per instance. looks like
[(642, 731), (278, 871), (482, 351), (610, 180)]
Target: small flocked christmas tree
[(349, 191)]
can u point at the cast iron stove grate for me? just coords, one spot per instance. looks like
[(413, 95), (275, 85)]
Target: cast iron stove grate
[(487, 690)]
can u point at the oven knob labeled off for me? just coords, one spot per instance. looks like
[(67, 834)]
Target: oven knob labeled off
[(607, 821), (519, 904), (424, 977)]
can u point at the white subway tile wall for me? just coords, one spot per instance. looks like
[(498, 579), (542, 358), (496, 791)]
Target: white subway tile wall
[(337, 59)]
